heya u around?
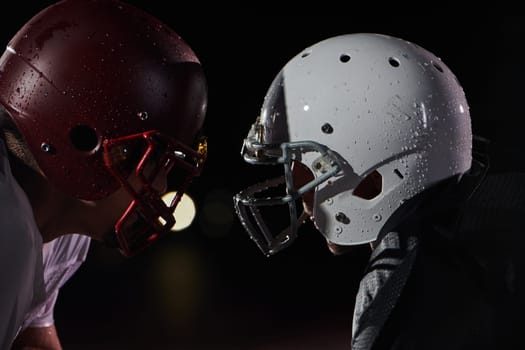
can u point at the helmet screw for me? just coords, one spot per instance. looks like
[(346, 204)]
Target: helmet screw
[(143, 115), (46, 147), (376, 217), (338, 230), (341, 217)]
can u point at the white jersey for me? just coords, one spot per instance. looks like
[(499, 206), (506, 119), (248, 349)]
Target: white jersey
[(62, 257), (32, 272)]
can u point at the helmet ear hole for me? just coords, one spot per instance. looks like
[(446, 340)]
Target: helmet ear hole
[(84, 138), (370, 187)]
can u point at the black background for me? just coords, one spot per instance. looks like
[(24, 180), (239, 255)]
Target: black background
[(208, 287)]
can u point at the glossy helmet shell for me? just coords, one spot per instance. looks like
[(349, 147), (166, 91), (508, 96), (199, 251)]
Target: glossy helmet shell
[(389, 109), (84, 71)]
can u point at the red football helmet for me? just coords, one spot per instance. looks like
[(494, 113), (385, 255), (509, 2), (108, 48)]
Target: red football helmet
[(100, 89)]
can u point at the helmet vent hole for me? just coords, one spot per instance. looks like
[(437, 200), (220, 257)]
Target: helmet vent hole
[(305, 54), (394, 62), (438, 67), (370, 187), (398, 173), (344, 58), (327, 128), (84, 138), (341, 217)]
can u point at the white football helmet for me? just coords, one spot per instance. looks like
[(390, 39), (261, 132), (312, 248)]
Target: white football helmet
[(351, 108)]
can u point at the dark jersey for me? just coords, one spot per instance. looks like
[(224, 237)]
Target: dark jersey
[(437, 283)]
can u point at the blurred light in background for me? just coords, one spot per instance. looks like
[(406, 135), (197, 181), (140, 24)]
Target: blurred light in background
[(217, 215), (184, 212)]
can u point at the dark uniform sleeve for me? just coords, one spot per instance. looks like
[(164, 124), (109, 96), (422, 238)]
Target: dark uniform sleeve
[(457, 288), (385, 277)]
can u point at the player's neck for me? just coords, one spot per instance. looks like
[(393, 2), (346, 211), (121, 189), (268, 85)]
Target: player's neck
[(51, 208)]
